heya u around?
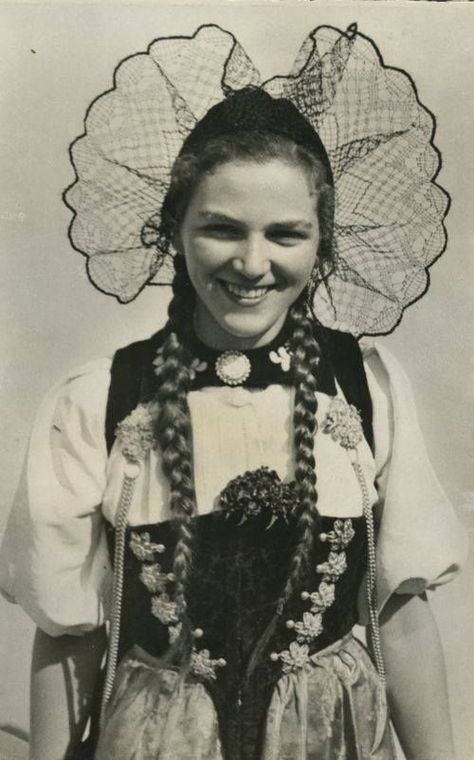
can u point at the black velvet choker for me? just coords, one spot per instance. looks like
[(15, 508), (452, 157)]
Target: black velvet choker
[(251, 368), (255, 367)]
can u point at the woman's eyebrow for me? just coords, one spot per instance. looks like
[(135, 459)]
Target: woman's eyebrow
[(301, 224), (215, 216)]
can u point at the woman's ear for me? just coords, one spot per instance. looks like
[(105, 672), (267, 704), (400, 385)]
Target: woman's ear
[(178, 244)]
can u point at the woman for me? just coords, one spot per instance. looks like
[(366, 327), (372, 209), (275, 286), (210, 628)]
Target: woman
[(248, 446)]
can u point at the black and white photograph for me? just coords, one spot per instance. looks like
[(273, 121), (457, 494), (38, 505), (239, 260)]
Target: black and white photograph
[(237, 394)]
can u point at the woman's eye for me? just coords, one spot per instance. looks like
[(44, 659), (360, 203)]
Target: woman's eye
[(221, 231), (288, 237)]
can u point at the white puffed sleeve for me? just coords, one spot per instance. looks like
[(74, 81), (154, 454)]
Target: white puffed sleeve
[(54, 559), (420, 543)]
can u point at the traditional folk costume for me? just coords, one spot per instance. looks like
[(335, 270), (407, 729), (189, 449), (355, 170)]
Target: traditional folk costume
[(92, 538)]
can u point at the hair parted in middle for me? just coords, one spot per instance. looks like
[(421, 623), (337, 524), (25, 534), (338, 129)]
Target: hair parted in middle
[(173, 429)]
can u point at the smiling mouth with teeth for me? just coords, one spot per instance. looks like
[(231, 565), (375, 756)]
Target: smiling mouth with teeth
[(245, 293)]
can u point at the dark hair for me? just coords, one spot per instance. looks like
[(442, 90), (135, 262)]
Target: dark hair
[(173, 427)]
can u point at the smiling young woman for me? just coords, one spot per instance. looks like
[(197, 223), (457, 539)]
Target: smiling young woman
[(250, 239), (246, 471)]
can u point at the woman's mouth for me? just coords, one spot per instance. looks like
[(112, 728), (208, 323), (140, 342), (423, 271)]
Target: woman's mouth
[(245, 294)]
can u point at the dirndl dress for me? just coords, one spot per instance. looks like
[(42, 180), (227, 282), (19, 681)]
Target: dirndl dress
[(313, 693), (303, 687)]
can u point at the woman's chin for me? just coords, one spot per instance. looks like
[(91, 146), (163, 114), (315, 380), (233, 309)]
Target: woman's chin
[(251, 332), (238, 328)]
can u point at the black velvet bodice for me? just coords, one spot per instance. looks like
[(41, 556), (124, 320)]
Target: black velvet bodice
[(239, 571)]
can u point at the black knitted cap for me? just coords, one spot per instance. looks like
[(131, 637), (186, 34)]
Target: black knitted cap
[(253, 109)]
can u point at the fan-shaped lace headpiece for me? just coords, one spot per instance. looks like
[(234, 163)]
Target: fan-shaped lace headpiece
[(389, 211)]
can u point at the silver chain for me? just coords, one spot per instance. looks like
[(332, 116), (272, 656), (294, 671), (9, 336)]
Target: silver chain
[(371, 586), (126, 496)]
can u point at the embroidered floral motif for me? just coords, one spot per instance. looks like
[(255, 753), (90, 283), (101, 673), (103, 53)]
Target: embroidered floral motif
[(335, 565), (343, 423), (309, 628), (163, 607), (165, 610), (294, 658), (135, 433), (259, 491), (322, 598), (281, 356), (203, 666), (196, 366), (174, 632), (143, 548), (341, 535), (154, 579), (158, 361)]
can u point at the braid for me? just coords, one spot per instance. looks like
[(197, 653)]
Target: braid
[(305, 352), (173, 425)]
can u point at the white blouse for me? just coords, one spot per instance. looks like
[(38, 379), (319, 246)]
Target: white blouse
[(54, 558)]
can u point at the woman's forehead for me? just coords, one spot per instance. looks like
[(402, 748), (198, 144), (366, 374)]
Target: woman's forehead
[(252, 188)]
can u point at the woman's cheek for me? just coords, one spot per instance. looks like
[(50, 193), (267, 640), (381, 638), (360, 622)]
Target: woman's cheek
[(210, 254), (297, 265)]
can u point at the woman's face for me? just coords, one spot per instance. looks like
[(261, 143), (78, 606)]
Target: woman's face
[(250, 238)]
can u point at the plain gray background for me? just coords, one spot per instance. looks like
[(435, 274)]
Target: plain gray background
[(54, 59)]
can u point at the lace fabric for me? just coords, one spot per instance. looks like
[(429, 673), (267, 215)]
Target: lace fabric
[(389, 210)]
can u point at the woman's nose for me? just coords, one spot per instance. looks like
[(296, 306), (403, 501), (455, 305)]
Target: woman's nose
[(252, 260)]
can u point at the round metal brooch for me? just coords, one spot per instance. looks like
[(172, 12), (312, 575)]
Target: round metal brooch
[(232, 367)]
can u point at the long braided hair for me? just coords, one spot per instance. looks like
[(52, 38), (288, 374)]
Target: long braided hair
[(173, 425), (305, 356)]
